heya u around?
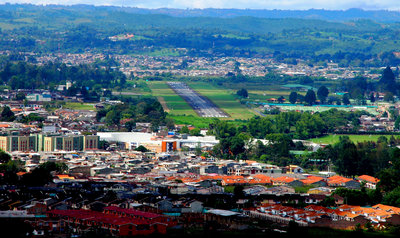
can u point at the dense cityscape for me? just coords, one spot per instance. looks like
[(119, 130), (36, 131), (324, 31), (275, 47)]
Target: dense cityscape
[(169, 127)]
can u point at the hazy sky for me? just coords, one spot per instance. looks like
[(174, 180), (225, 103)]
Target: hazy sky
[(253, 4)]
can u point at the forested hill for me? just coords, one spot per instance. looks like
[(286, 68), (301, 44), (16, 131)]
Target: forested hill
[(82, 28), (320, 14), (64, 17)]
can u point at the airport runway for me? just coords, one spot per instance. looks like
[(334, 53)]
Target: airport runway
[(202, 105)]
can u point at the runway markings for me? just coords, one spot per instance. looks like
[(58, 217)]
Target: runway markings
[(200, 104)]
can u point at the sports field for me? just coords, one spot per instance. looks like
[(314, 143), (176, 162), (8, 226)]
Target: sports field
[(332, 139)]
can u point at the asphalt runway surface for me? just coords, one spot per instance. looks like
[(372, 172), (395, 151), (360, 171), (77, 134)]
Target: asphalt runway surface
[(200, 104)]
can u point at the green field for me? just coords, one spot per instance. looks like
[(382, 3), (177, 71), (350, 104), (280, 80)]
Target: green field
[(224, 99), (332, 139), (79, 106), (182, 113), (174, 104), (317, 108)]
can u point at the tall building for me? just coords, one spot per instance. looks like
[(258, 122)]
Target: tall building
[(40, 142)]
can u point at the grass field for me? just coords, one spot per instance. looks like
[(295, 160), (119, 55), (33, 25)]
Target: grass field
[(174, 103), (332, 139), (224, 99), (318, 108), (182, 113), (200, 122), (79, 106)]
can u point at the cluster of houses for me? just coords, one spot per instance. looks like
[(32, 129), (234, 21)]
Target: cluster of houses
[(220, 66), (342, 217), (115, 221), (376, 124)]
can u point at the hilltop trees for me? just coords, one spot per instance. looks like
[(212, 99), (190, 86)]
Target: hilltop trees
[(23, 75), (377, 159), (236, 141), (132, 111)]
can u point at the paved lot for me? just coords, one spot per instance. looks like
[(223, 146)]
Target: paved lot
[(202, 105)]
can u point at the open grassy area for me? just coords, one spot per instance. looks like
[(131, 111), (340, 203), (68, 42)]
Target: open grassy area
[(200, 122), (224, 99), (332, 139), (79, 106), (318, 108), (182, 113), (174, 103)]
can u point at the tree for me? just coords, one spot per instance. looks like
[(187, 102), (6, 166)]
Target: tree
[(345, 99), (389, 97), (195, 132), (242, 93), (293, 97), (347, 158), (392, 198), (322, 93), (7, 114), (42, 174), (184, 130), (310, 97), (113, 118), (141, 148), (397, 123), (388, 80), (198, 149), (372, 98), (20, 96), (4, 157)]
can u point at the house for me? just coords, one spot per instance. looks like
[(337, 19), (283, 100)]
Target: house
[(314, 198), (339, 181), (192, 206), (37, 208), (294, 169), (296, 183), (338, 199), (314, 180), (166, 205), (370, 182), (116, 225), (282, 180)]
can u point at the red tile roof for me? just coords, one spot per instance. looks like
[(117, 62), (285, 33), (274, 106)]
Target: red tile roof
[(148, 215), (368, 178)]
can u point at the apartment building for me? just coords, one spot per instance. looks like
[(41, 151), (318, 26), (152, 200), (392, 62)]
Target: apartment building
[(40, 142)]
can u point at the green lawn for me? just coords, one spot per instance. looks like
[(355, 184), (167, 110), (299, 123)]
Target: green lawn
[(332, 139)]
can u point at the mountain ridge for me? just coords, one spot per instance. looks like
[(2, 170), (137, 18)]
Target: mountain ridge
[(386, 16)]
